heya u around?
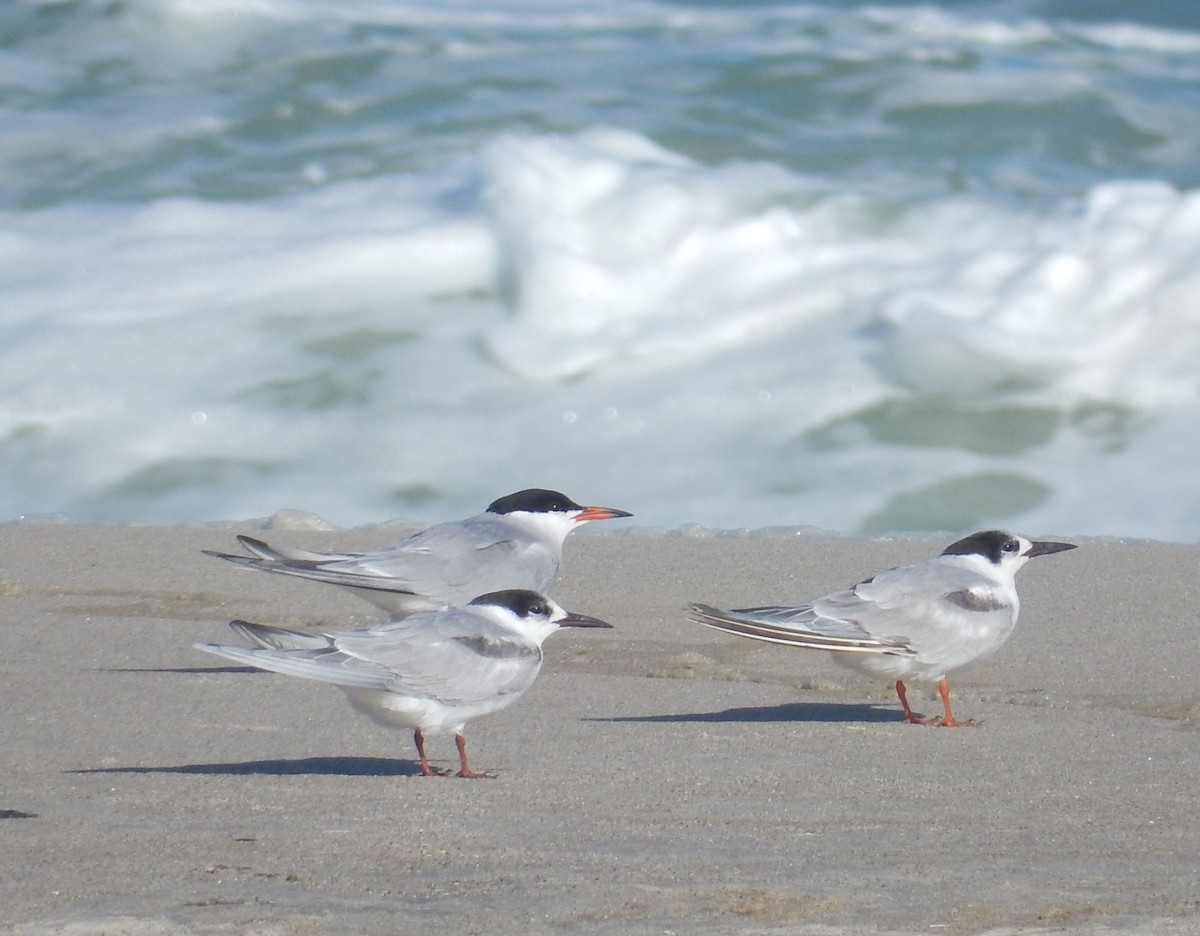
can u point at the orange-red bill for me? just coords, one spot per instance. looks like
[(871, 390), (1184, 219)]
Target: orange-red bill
[(600, 513)]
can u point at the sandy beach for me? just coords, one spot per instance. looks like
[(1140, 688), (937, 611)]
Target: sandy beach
[(659, 777)]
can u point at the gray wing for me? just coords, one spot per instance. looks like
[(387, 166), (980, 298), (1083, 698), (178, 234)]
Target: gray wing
[(461, 560), (941, 610), (451, 563), (257, 547), (451, 656), (800, 626), (324, 665), (280, 638), (390, 594), (914, 611)]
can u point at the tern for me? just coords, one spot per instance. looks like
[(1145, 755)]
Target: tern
[(431, 671), (516, 543), (918, 621)]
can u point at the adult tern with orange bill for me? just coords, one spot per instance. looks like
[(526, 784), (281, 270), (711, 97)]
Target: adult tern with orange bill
[(516, 543)]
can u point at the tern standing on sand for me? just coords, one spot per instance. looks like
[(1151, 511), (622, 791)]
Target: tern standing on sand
[(918, 621), (432, 671), (516, 543)]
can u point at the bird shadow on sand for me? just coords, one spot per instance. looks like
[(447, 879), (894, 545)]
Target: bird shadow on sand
[(788, 712), (300, 766)]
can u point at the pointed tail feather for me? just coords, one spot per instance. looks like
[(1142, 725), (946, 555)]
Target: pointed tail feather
[(280, 638), (263, 550), (732, 623), (316, 571), (322, 665)]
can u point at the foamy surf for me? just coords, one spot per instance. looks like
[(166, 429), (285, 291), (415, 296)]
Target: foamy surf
[(855, 295)]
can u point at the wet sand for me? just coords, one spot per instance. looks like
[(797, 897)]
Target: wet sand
[(658, 778)]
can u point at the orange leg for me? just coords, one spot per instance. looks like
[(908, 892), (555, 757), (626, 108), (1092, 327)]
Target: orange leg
[(912, 716), (946, 721), (419, 740), (466, 771), (949, 720)]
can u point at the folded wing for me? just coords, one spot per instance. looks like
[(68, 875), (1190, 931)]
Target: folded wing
[(463, 659)]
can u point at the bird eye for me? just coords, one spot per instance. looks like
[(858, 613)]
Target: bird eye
[(1011, 546), (538, 609)]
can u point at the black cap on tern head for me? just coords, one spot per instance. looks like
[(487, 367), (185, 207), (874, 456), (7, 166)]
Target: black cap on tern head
[(539, 500), (991, 544), (520, 601), (529, 604), (534, 500), (995, 544)]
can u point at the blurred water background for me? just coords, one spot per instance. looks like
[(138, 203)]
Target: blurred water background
[(868, 267)]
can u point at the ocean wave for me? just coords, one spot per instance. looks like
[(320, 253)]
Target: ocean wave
[(868, 267)]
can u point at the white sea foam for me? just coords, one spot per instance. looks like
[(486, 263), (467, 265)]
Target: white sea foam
[(741, 267), (710, 307), (1130, 35), (620, 255)]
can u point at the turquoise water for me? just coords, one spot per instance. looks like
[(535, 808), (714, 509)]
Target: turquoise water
[(868, 267)]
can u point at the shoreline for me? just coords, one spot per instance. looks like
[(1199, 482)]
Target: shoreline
[(657, 777)]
